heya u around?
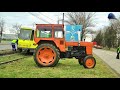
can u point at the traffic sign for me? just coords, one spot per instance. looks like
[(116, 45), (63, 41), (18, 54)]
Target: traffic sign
[(71, 32)]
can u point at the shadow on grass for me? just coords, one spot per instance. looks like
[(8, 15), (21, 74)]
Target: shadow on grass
[(66, 64), (28, 54)]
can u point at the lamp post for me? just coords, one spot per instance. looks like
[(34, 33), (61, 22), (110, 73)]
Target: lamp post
[(111, 16)]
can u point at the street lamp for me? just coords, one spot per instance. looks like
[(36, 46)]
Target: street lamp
[(111, 16)]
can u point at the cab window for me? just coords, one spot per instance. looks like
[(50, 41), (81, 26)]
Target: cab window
[(58, 32), (44, 32)]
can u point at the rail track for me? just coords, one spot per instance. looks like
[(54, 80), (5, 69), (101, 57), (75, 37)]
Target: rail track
[(10, 61), (7, 52), (4, 59)]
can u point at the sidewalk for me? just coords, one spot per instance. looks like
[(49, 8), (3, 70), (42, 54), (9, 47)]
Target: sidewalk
[(5, 43), (109, 58)]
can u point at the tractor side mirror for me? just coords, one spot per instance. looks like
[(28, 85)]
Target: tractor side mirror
[(111, 16)]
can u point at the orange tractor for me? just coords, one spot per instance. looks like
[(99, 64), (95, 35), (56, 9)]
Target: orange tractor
[(53, 45)]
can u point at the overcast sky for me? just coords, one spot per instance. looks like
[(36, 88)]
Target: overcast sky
[(27, 18)]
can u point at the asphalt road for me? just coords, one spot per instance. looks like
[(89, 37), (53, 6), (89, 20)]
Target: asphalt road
[(109, 58)]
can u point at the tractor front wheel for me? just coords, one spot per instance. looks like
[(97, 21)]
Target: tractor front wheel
[(89, 62), (46, 55)]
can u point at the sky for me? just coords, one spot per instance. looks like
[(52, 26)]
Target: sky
[(29, 18)]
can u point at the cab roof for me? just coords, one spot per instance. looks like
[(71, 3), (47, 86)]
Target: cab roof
[(26, 28)]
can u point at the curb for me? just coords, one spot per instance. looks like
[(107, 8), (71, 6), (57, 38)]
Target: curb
[(110, 67), (4, 44)]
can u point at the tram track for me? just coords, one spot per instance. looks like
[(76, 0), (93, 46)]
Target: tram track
[(10, 61), (9, 58), (7, 52)]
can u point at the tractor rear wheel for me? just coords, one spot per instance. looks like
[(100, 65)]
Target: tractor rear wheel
[(46, 55), (89, 62)]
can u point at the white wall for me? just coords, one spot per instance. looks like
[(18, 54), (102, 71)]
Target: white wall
[(88, 38)]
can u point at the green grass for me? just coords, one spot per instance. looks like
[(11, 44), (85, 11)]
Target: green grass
[(68, 68)]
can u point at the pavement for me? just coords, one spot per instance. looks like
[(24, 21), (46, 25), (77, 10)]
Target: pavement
[(109, 57), (5, 42), (5, 45)]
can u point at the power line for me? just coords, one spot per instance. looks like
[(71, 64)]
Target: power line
[(46, 16), (66, 16), (39, 18)]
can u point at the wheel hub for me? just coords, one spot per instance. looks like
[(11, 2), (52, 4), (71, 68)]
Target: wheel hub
[(89, 62), (46, 55)]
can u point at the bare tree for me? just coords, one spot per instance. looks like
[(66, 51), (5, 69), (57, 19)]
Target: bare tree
[(2, 23), (17, 27), (82, 18)]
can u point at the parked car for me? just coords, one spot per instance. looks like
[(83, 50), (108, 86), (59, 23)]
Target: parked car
[(98, 46)]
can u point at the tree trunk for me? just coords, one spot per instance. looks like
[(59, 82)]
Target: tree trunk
[(0, 39), (1, 34)]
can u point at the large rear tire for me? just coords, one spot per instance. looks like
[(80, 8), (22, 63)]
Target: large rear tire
[(89, 62), (46, 55)]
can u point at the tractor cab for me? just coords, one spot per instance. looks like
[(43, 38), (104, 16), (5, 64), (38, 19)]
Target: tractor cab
[(48, 32)]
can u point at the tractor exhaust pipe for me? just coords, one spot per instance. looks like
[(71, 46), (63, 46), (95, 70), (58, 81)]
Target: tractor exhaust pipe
[(79, 37)]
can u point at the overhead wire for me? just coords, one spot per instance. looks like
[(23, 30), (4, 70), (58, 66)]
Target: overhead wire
[(39, 18), (46, 16)]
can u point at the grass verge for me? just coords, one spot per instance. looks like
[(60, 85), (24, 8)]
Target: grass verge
[(66, 68)]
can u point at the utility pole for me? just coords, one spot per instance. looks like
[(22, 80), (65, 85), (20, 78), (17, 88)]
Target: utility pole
[(58, 19), (63, 19)]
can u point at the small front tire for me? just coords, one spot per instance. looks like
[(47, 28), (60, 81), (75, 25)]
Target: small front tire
[(89, 62)]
